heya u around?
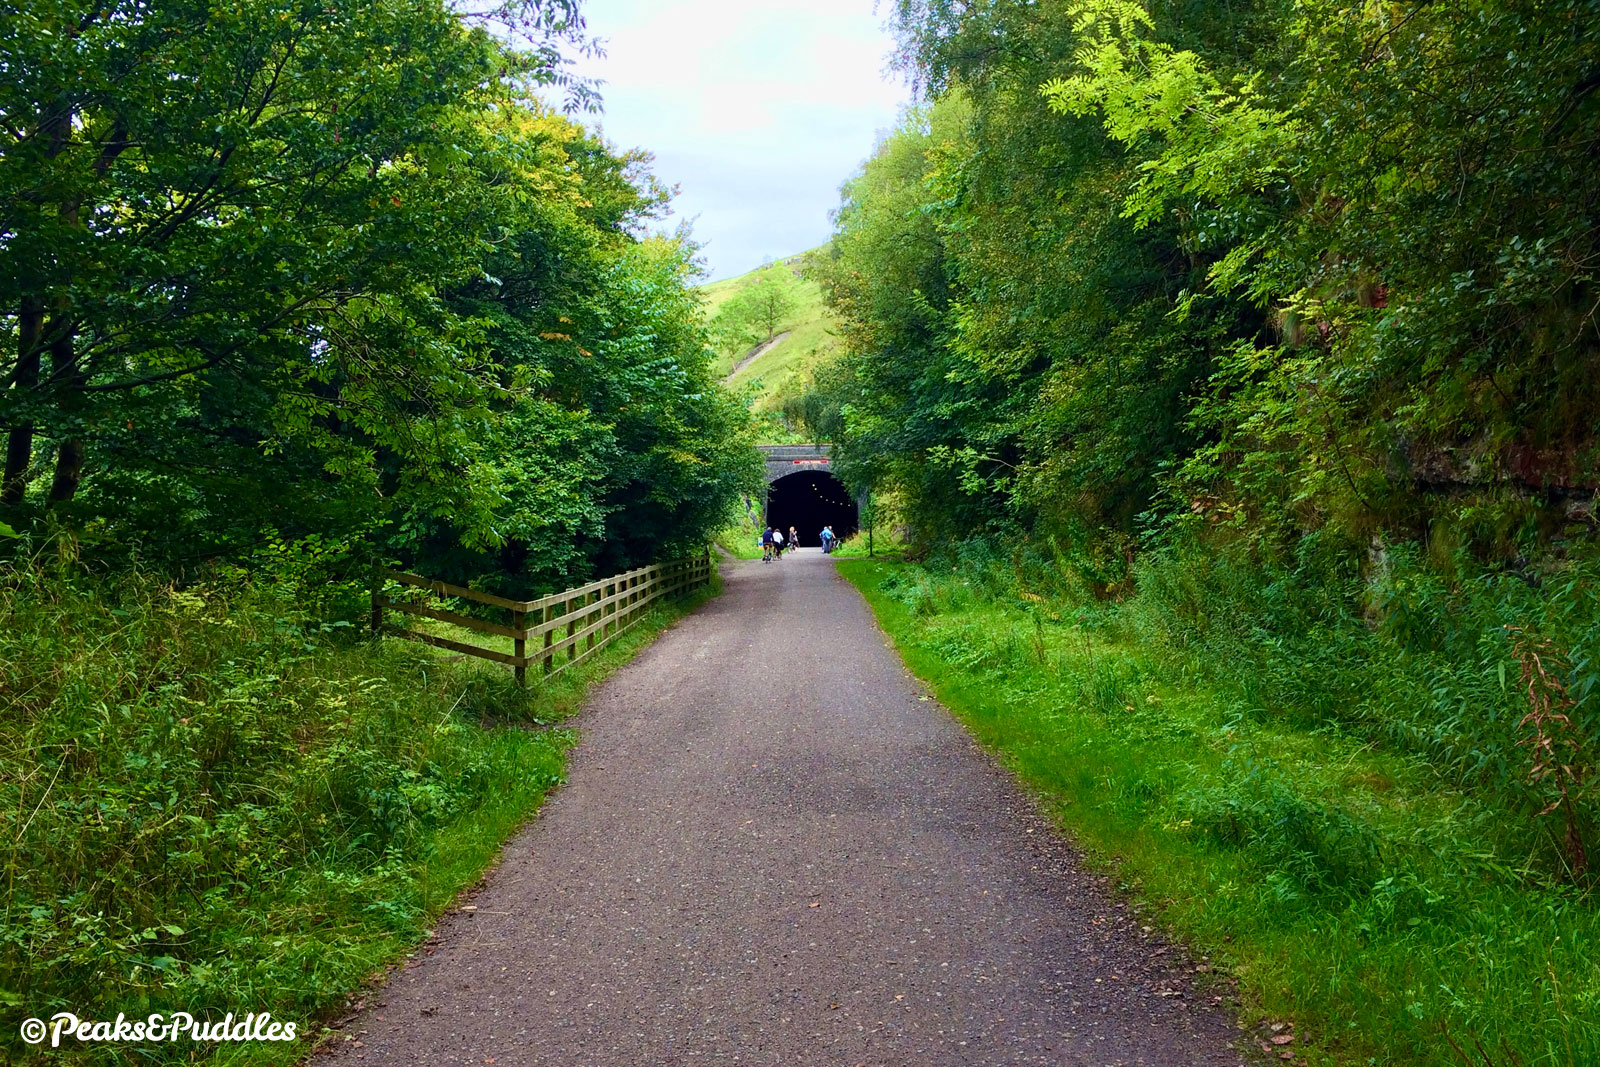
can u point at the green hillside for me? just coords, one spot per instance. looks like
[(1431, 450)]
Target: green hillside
[(779, 370)]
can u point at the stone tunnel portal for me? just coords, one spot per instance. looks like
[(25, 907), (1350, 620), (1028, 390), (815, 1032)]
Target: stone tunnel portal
[(808, 500)]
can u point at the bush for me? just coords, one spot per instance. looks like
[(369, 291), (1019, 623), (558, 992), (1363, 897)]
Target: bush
[(1314, 778), (1416, 658), (214, 802)]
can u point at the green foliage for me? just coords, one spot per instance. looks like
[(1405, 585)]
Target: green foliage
[(754, 313), (741, 538), (1418, 661), (1411, 194), (235, 221), (618, 448), (1291, 267), (333, 270), (886, 277), (1010, 360), (213, 800), (1343, 818)]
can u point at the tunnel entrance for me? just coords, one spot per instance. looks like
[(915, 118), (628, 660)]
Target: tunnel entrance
[(809, 500)]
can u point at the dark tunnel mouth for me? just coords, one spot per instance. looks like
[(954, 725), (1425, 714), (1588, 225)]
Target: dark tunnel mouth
[(808, 500)]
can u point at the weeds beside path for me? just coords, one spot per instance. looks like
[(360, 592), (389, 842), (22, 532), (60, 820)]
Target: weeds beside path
[(216, 804), (1353, 891)]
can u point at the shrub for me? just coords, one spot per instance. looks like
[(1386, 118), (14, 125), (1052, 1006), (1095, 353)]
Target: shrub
[(214, 802)]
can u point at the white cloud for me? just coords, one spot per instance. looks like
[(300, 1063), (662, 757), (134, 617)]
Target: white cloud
[(757, 110)]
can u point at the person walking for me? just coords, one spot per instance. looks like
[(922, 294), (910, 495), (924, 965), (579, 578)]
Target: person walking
[(827, 540), (794, 539)]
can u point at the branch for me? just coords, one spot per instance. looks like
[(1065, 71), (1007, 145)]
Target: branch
[(114, 147), (1574, 98), (288, 311), (165, 376)]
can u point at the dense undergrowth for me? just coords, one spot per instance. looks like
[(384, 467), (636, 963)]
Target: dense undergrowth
[(1323, 780), (740, 539), (212, 802)]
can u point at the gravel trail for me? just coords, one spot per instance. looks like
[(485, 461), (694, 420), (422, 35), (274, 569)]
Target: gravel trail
[(775, 849), (756, 353)]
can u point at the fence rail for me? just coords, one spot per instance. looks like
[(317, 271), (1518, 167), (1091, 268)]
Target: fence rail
[(565, 628)]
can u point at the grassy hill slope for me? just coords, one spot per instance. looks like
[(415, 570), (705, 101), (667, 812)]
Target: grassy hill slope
[(780, 372)]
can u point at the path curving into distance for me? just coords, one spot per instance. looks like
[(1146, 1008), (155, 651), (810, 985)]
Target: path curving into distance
[(774, 849), (756, 353)]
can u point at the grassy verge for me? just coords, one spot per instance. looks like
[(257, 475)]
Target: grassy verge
[(884, 545), (740, 540), (212, 803), (1392, 915)]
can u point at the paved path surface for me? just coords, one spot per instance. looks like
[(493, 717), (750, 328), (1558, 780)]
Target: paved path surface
[(774, 849)]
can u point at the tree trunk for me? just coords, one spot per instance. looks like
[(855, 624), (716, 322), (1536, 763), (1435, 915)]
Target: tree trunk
[(31, 331), (19, 444), (69, 468), (66, 379)]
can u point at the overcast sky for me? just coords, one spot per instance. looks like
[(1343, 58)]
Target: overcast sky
[(756, 109)]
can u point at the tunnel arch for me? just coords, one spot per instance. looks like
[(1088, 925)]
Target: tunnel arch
[(808, 500)]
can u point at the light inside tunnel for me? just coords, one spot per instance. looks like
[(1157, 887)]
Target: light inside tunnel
[(808, 500)]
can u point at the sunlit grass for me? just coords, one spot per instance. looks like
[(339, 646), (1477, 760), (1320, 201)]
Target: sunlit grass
[(780, 372), (741, 539)]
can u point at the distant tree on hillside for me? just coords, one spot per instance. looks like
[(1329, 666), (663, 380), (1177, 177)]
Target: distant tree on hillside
[(760, 307)]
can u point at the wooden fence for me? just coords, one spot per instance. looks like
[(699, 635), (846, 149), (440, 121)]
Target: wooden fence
[(563, 628)]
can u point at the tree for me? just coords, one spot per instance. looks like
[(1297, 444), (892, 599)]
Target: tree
[(1286, 269), (615, 446), (331, 270), (201, 197), (761, 306), (1013, 362), (1411, 194)]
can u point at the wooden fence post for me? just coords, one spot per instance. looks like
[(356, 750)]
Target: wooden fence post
[(519, 647), (590, 617), (544, 617)]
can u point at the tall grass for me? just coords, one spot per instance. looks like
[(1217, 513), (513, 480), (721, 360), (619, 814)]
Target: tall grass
[(1414, 659), (210, 802), (1316, 776), (740, 539)]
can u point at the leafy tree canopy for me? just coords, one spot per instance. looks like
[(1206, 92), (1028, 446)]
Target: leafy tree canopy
[(1277, 268), (332, 268), (754, 313)]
